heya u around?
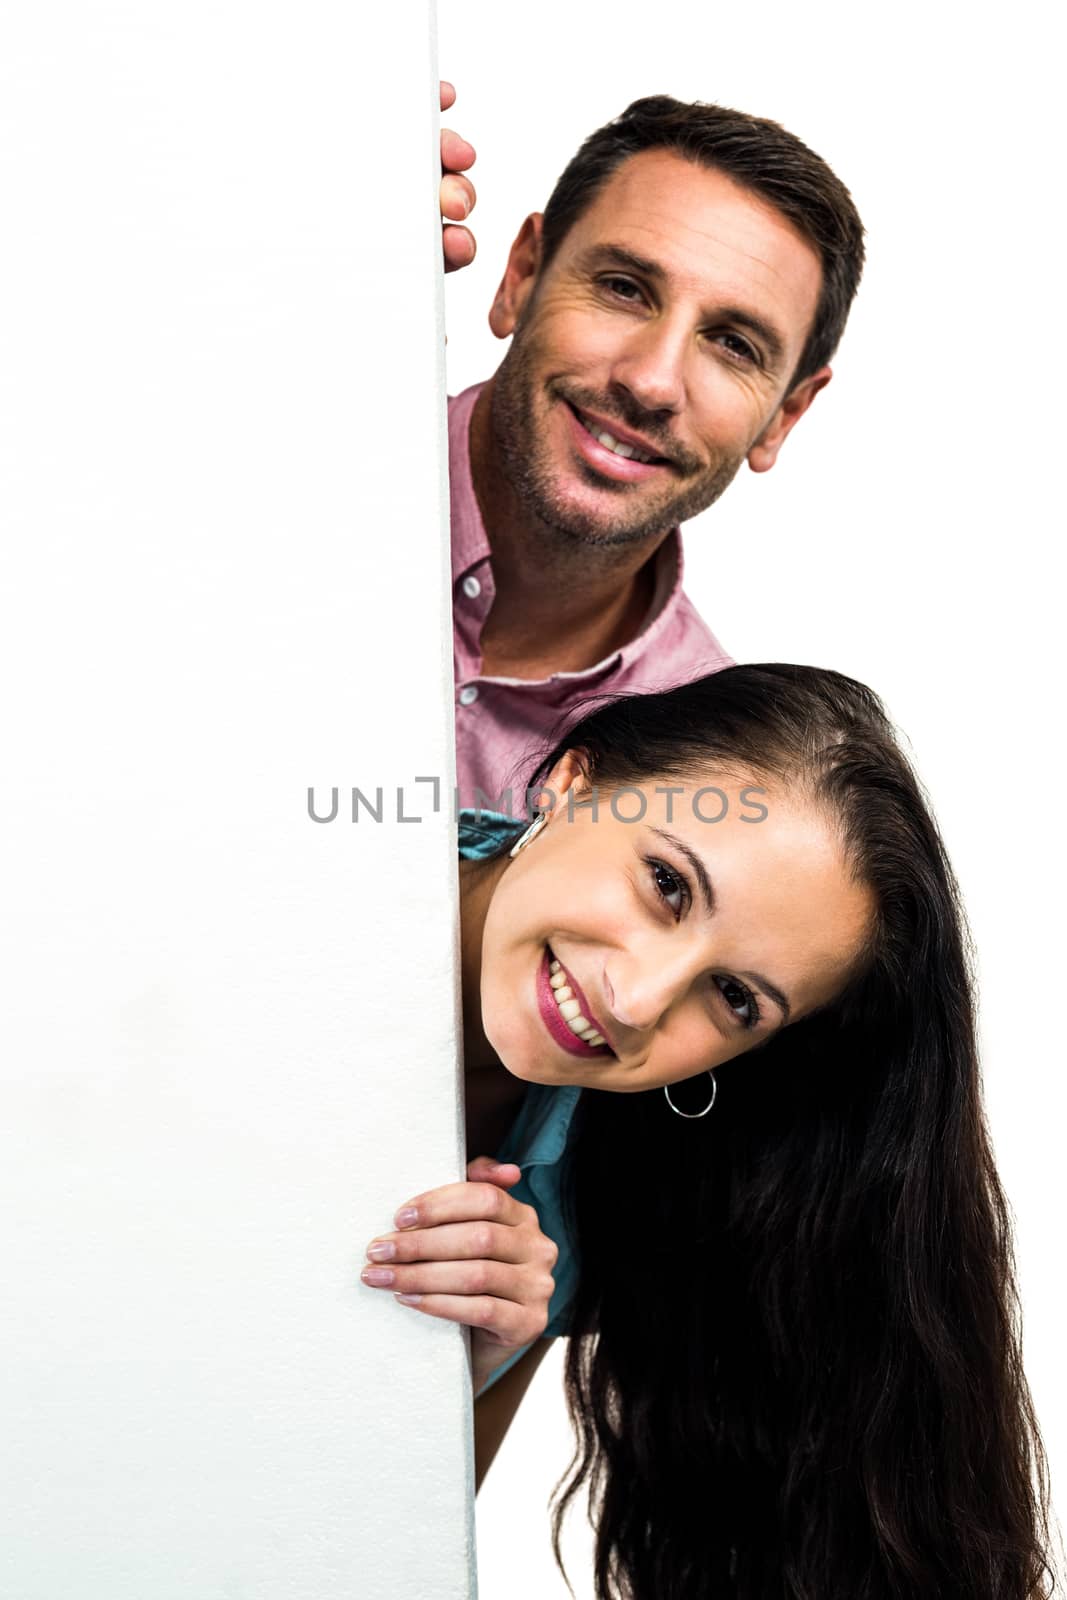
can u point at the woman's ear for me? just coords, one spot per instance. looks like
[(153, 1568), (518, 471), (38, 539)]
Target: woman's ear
[(570, 773), (520, 275)]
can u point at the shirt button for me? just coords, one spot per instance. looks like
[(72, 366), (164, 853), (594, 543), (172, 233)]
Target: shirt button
[(471, 587), (468, 695)]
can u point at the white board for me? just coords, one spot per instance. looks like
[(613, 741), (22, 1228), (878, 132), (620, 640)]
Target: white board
[(229, 1032)]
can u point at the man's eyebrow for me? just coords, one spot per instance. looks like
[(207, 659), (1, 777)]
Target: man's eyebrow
[(617, 256), (708, 895)]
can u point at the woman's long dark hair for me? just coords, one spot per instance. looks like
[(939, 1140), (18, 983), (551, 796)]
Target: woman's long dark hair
[(794, 1366)]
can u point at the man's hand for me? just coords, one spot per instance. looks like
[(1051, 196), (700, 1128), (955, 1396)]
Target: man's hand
[(470, 1253), (457, 193)]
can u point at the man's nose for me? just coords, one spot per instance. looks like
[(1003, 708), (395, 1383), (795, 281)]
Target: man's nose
[(652, 365)]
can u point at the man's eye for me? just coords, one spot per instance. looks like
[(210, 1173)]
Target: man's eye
[(670, 886), (737, 347), (625, 288)]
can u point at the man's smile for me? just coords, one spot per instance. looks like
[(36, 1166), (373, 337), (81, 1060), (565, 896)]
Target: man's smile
[(614, 451), (612, 434)]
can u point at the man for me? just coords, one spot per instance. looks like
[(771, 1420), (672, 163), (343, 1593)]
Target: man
[(672, 314)]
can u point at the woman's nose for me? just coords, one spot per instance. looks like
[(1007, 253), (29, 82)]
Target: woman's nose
[(639, 993)]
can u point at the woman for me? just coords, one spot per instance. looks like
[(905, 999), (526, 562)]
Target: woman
[(793, 1366)]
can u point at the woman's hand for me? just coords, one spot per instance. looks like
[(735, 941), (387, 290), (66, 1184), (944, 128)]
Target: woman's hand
[(457, 192), (471, 1253)]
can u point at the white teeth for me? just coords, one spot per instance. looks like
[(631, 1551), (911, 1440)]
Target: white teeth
[(611, 443), (627, 451), (570, 1009)]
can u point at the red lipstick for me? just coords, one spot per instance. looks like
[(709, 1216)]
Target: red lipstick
[(556, 1025)]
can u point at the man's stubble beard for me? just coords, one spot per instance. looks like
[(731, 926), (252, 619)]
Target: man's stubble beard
[(528, 472)]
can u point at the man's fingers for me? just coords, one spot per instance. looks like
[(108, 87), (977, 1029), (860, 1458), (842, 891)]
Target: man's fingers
[(457, 197), (448, 93), (456, 153), (457, 194), (458, 246), (458, 1241)]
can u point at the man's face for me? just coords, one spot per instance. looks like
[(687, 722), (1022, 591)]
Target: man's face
[(671, 319)]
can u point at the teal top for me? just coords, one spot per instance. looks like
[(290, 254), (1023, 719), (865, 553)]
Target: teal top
[(538, 1137)]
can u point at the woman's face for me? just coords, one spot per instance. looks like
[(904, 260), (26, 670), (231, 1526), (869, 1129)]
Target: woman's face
[(682, 941)]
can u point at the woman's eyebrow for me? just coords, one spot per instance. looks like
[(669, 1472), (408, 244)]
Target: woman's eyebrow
[(699, 870), (770, 990)]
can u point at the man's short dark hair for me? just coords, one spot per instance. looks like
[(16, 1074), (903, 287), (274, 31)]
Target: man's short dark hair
[(758, 155)]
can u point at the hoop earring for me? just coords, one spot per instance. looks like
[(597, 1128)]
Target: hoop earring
[(531, 833), (693, 1116)]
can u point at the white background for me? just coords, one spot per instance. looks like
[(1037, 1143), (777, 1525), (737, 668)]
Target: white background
[(909, 533), (213, 294)]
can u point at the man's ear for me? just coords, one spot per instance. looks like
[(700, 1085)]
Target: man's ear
[(764, 453), (520, 275)]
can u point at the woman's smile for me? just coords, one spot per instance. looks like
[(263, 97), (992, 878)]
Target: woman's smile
[(565, 1011)]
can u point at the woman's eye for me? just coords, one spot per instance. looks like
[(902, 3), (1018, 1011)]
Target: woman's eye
[(740, 999), (670, 886)]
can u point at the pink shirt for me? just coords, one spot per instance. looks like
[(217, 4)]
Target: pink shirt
[(504, 725)]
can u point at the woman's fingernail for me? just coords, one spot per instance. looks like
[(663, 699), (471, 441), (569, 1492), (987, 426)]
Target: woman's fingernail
[(378, 1277), (407, 1217), (382, 1250), (408, 1299)]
